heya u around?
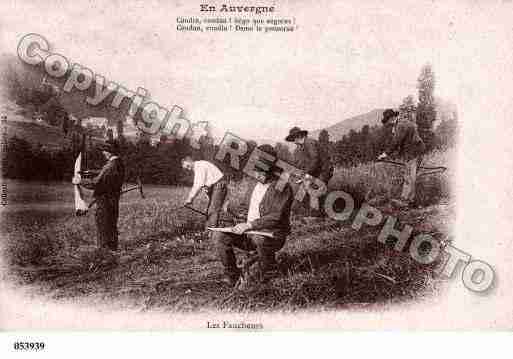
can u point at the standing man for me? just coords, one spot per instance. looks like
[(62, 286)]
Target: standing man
[(208, 176), (106, 188), (268, 209), (307, 153), (407, 146), (308, 157)]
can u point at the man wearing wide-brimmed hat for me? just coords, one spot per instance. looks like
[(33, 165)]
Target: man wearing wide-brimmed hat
[(268, 210), (106, 188), (308, 157), (407, 146)]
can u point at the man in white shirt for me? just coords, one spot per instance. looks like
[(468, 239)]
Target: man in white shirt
[(268, 209), (207, 175)]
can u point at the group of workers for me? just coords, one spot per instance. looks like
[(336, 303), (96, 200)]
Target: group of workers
[(265, 207)]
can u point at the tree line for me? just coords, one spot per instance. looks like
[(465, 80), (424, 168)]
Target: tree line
[(160, 163)]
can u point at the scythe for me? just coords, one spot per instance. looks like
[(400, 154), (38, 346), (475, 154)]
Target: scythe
[(80, 204)]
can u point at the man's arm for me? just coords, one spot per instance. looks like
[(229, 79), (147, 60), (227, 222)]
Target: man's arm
[(282, 201), (200, 176), (104, 182), (88, 183), (99, 180)]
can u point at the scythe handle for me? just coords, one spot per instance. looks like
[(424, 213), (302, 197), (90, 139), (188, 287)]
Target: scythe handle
[(138, 187), (205, 214), (437, 169)]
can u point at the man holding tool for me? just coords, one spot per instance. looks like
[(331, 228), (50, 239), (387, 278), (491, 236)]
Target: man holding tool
[(308, 157), (209, 177), (268, 211), (106, 188), (406, 145)]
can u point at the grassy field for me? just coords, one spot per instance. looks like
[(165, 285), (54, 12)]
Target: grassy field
[(325, 264)]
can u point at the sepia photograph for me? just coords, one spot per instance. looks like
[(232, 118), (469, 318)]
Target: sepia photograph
[(254, 166)]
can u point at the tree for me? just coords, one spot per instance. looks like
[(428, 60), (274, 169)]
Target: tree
[(407, 109), (324, 136), (206, 143), (426, 112), (447, 131)]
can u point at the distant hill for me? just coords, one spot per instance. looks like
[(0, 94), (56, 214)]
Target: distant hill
[(17, 121), (446, 110), (49, 137), (341, 128)]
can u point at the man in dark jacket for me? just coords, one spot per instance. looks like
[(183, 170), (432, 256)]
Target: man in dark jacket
[(106, 188), (268, 210), (307, 153), (308, 157), (407, 146)]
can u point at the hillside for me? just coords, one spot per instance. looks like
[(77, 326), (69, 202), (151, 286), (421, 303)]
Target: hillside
[(341, 128), (47, 136), (445, 110)]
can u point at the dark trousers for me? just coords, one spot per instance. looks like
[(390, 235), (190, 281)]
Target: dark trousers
[(266, 249), (106, 215), (217, 195)]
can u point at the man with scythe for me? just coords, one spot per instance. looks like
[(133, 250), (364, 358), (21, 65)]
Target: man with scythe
[(406, 145), (309, 157), (106, 187)]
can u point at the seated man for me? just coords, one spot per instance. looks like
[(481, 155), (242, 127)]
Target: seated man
[(269, 211)]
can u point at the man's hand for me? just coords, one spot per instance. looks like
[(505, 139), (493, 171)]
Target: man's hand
[(76, 179), (187, 203), (241, 228), (306, 179), (382, 156)]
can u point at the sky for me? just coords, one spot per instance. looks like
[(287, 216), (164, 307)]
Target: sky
[(344, 58)]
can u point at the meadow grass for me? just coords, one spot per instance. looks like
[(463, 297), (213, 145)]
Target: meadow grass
[(325, 264), (380, 182)]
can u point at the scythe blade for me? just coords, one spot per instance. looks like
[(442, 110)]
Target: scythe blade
[(80, 204)]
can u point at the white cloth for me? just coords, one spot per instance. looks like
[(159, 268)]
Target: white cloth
[(205, 174), (256, 198)]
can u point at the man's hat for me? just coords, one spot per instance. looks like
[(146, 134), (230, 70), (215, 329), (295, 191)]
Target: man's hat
[(294, 133), (271, 151), (110, 146), (388, 114)]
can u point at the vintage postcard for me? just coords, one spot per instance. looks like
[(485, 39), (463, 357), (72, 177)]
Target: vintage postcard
[(253, 166)]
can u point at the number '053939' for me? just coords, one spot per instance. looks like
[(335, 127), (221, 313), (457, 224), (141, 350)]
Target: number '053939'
[(29, 346)]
